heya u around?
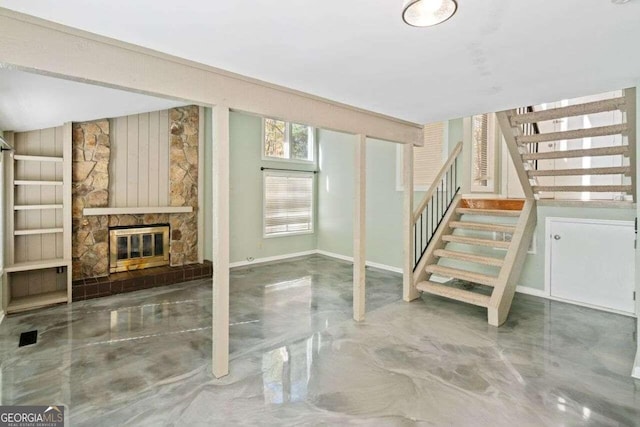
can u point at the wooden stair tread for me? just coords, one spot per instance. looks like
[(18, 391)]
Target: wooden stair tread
[(454, 293), (491, 203), (587, 152), (569, 111), (462, 256), (476, 242), (480, 226), (469, 276), (488, 212), (572, 134), (585, 188), (615, 170)]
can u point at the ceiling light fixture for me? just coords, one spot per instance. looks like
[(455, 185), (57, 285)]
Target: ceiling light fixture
[(426, 13)]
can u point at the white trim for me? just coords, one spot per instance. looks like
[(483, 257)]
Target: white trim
[(287, 132), (272, 258), (1, 316), (137, 210), (200, 214), (635, 373), (526, 290), (368, 263)]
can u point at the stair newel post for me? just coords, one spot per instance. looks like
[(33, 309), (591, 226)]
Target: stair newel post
[(409, 292)]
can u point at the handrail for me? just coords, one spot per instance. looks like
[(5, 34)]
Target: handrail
[(433, 209), (436, 182)]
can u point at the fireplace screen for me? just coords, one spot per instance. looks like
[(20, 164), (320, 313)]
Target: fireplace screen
[(138, 247)]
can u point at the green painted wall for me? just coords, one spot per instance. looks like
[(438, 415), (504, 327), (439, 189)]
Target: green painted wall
[(384, 201), (335, 192), (245, 134)]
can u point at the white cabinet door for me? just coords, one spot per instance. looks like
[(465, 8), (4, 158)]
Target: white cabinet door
[(592, 262)]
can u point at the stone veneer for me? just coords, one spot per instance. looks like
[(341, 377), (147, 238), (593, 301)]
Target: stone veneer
[(91, 154), (90, 189), (183, 172)]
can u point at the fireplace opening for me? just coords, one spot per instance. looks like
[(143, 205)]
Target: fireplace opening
[(138, 247)]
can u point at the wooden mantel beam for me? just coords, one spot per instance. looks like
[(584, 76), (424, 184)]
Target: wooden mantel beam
[(36, 45)]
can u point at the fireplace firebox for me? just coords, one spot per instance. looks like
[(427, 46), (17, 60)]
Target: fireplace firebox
[(138, 247)]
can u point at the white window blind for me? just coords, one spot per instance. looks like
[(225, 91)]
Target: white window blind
[(483, 148), (427, 160), (288, 203), (480, 147)]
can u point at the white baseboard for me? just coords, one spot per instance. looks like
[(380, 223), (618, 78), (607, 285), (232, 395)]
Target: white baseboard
[(272, 258), (313, 252), (531, 291), (368, 263), (1, 316), (635, 373)]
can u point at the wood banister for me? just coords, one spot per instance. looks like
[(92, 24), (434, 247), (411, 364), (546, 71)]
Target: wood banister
[(436, 182)]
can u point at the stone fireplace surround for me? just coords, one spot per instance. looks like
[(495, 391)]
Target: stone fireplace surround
[(90, 189)]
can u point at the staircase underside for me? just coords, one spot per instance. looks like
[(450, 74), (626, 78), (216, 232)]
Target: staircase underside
[(573, 159)]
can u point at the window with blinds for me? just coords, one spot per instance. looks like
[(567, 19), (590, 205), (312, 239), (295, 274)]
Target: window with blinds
[(427, 160), (482, 146), (288, 203)]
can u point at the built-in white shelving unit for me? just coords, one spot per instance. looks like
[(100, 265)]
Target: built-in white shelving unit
[(37, 269)]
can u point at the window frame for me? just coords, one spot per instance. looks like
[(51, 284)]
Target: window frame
[(444, 155), (312, 143), (492, 162), (268, 172)]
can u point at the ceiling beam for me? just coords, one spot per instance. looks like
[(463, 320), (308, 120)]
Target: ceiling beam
[(36, 45)]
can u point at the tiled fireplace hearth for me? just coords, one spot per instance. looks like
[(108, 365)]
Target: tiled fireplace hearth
[(132, 173), (129, 281)]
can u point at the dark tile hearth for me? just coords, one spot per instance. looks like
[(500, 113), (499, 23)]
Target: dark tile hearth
[(129, 281)]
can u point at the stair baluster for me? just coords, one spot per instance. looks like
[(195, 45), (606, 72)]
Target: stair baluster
[(435, 205)]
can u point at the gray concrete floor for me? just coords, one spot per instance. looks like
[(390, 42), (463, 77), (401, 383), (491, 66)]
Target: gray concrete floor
[(298, 359)]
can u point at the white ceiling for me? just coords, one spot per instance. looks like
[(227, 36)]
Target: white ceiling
[(31, 101), (491, 55)]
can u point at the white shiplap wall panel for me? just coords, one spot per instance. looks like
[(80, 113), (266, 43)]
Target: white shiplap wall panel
[(139, 164)]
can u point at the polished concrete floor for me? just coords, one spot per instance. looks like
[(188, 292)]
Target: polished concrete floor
[(297, 358)]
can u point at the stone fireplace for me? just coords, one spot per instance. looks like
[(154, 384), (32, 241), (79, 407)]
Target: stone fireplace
[(98, 150)]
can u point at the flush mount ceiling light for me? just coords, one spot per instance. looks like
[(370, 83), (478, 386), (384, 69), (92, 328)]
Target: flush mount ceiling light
[(425, 13)]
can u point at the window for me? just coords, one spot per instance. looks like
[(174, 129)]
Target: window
[(427, 160), (483, 139), (287, 141), (288, 203)]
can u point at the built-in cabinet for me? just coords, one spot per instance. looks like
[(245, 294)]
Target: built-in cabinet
[(37, 263)]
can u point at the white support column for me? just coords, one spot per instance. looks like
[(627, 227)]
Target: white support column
[(220, 227), (409, 293), (359, 229)]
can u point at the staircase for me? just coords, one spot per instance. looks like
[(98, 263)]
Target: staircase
[(563, 164), (472, 250), (482, 245), (479, 243)]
